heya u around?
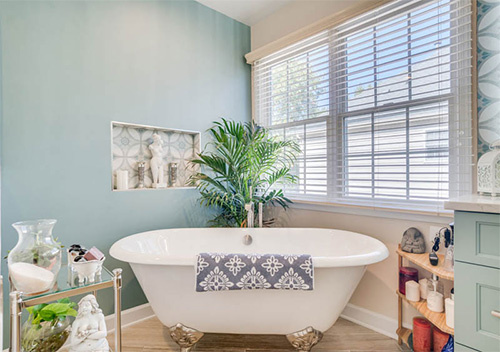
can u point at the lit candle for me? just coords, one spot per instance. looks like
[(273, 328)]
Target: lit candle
[(412, 291), (121, 179)]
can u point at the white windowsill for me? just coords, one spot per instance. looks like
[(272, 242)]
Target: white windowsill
[(443, 217)]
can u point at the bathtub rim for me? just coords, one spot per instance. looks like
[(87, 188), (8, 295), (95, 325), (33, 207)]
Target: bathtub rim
[(378, 253)]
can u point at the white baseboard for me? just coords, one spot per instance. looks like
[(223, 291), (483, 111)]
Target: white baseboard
[(130, 316), (371, 320)]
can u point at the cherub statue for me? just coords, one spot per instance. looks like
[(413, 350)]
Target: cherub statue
[(156, 162), (413, 241), (88, 332)]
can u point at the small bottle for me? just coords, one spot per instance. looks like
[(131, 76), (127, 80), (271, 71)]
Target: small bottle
[(449, 258), (449, 306)]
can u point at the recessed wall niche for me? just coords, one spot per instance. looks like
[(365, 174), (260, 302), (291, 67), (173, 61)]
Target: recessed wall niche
[(130, 146)]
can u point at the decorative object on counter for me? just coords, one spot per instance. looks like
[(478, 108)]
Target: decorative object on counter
[(424, 290), (412, 291), (256, 161), (141, 167), (88, 332), (35, 261), (157, 162), (449, 307), (406, 273), (172, 170), (121, 180), (439, 339), (86, 264), (488, 171), (422, 335), (46, 329), (413, 241)]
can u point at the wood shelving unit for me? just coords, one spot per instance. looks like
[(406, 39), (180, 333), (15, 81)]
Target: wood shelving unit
[(422, 260), (438, 319)]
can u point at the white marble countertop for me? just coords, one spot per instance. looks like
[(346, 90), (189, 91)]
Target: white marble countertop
[(476, 203)]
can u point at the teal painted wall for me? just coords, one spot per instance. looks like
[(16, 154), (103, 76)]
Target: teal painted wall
[(69, 68)]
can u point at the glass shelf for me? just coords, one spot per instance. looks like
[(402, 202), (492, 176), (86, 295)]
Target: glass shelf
[(67, 286)]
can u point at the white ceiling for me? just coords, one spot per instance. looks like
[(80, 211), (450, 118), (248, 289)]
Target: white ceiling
[(248, 12)]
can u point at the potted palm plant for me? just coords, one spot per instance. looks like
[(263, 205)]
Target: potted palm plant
[(243, 163)]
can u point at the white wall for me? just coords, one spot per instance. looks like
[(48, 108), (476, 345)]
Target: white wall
[(294, 16)]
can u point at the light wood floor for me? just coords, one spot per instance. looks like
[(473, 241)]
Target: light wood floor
[(151, 336)]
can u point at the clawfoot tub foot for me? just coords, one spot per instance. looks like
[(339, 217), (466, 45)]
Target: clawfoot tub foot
[(305, 340), (185, 337)]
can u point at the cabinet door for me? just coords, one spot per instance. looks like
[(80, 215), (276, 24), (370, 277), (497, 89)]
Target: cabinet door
[(477, 238), (477, 306)]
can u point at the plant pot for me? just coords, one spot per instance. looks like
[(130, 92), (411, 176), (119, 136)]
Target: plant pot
[(44, 338), (35, 261)]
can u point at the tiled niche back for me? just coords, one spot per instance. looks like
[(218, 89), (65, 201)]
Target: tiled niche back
[(130, 145)]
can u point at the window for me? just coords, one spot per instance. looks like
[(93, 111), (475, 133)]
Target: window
[(380, 106)]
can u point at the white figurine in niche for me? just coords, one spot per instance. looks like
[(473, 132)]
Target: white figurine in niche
[(88, 332), (157, 162)]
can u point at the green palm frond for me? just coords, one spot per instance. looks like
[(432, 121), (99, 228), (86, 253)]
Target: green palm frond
[(242, 163)]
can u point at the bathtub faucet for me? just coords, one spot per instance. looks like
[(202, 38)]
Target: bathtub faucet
[(250, 214)]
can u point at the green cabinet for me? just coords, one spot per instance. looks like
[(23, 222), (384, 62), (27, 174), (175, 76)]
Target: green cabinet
[(478, 238), (477, 281), (477, 299)]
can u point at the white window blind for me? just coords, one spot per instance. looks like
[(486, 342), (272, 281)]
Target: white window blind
[(380, 106)]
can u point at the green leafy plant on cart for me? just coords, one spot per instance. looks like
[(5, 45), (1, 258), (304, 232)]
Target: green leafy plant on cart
[(47, 326)]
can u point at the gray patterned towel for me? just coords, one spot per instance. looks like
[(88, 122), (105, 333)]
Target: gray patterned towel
[(222, 271)]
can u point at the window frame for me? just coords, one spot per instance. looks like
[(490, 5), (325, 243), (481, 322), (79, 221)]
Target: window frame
[(335, 121)]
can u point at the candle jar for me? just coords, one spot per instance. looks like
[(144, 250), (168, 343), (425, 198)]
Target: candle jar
[(121, 180), (435, 302), (424, 289), (422, 335), (412, 291), (35, 261), (439, 338), (406, 274)]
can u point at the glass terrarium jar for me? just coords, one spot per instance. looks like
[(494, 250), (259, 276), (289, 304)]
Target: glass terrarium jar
[(36, 259), (46, 337)]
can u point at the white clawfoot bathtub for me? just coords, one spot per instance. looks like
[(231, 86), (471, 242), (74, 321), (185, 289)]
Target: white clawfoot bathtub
[(163, 262)]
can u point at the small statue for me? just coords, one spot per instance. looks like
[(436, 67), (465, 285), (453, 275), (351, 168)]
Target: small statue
[(157, 162), (413, 241), (88, 332)]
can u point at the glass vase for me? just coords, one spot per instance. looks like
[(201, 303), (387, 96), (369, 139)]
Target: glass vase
[(46, 337), (36, 259)]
